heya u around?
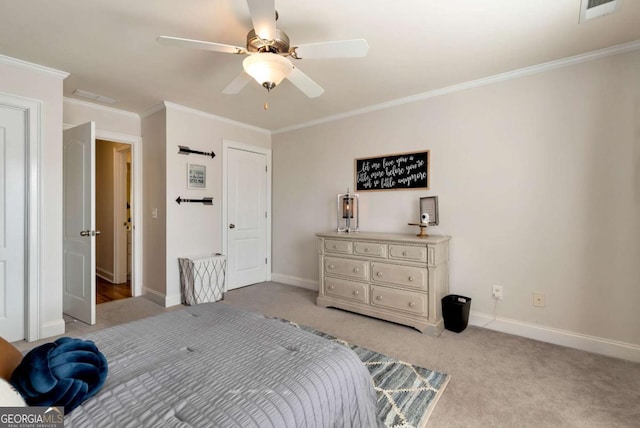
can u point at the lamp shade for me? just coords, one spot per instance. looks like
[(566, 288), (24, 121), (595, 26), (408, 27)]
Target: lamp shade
[(268, 69)]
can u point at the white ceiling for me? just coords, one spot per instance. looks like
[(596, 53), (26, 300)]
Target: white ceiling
[(416, 46)]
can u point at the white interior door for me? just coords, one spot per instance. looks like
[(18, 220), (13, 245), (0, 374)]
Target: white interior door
[(12, 228), (247, 218), (79, 223)]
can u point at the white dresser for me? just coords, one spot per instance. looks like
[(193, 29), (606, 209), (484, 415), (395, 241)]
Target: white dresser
[(396, 277)]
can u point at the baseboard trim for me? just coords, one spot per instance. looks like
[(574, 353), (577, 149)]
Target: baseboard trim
[(52, 328), (105, 274), (173, 300), (295, 281), (583, 342), (154, 296), (161, 298)]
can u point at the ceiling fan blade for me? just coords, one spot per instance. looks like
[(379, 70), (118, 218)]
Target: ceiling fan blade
[(305, 84), (342, 49), (263, 16), (237, 84), (199, 44)]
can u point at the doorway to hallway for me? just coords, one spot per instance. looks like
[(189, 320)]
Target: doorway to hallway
[(113, 219)]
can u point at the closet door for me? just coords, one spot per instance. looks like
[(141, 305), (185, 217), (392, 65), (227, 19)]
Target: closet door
[(13, 145), (247, 218)]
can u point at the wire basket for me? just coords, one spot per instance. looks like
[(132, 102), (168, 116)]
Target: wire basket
[(202, 279)]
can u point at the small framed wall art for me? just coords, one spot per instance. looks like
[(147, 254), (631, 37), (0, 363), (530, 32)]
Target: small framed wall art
[(429, 210), (196, 176)]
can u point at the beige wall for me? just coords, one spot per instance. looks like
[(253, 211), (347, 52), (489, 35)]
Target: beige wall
[(196, 229), (538, 181), (47, 89), (186, 230), (154, 240)]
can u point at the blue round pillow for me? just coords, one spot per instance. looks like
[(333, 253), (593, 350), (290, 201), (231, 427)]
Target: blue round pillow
[(63, 373)]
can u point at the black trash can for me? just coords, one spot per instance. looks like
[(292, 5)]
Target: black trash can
[(455, 311)]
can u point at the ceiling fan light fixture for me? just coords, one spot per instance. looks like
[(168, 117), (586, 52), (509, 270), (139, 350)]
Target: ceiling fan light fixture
[(268, 69)]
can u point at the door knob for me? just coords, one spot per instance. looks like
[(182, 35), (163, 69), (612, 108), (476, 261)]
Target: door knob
[(85, 233), (232, 226)]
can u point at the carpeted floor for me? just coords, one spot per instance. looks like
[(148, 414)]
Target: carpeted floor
[(497, 380)]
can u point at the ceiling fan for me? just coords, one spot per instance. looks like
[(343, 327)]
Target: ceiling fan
[(269, 50)]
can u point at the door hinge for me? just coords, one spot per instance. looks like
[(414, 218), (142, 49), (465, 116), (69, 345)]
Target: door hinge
[(265, 260), (266, 168), (265, 214)]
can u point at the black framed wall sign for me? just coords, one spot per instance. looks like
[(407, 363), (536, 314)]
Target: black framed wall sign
[(400, 171)]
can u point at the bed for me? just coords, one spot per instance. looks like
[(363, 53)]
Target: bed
[(212, 365)]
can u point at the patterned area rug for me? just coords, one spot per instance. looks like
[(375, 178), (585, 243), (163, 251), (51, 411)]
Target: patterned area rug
[(406, 393)]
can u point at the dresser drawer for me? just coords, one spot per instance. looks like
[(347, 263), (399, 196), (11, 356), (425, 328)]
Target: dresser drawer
[(401, 300), (335, 246), (358, 269), (370, 249), (406, 276), (346, 289), (406, 252)]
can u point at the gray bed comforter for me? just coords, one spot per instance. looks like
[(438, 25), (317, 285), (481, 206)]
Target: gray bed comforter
[(215, 366)]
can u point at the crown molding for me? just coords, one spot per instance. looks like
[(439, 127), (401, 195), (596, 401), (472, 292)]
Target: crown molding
[(509, 75), (172, 106), (102, 134), (15, 62), (101, 107), (156, 108)]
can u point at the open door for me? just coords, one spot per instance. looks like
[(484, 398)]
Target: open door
[(79, 223)]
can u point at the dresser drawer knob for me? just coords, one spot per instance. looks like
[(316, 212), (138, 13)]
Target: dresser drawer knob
[(379, 298), (404, 253), (335, 247), (355, 293), (356, 270), (411, 279), (411, 304), (331, 287), (366, 250), (379, 273), (331, 266)]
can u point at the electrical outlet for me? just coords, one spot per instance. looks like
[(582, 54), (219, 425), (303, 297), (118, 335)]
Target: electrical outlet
[(538, 300), (497, 293)]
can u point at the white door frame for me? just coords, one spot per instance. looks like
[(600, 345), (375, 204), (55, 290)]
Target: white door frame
[(136, 200), (33, 115), (226, 146)]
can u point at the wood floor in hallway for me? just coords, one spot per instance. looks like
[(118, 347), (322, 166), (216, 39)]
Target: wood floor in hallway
[(107, 292)]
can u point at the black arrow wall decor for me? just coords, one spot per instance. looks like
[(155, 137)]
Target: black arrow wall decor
[(184, 150), (204, 201)]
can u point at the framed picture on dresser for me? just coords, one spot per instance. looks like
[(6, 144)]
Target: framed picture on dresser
[(429, 205)]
